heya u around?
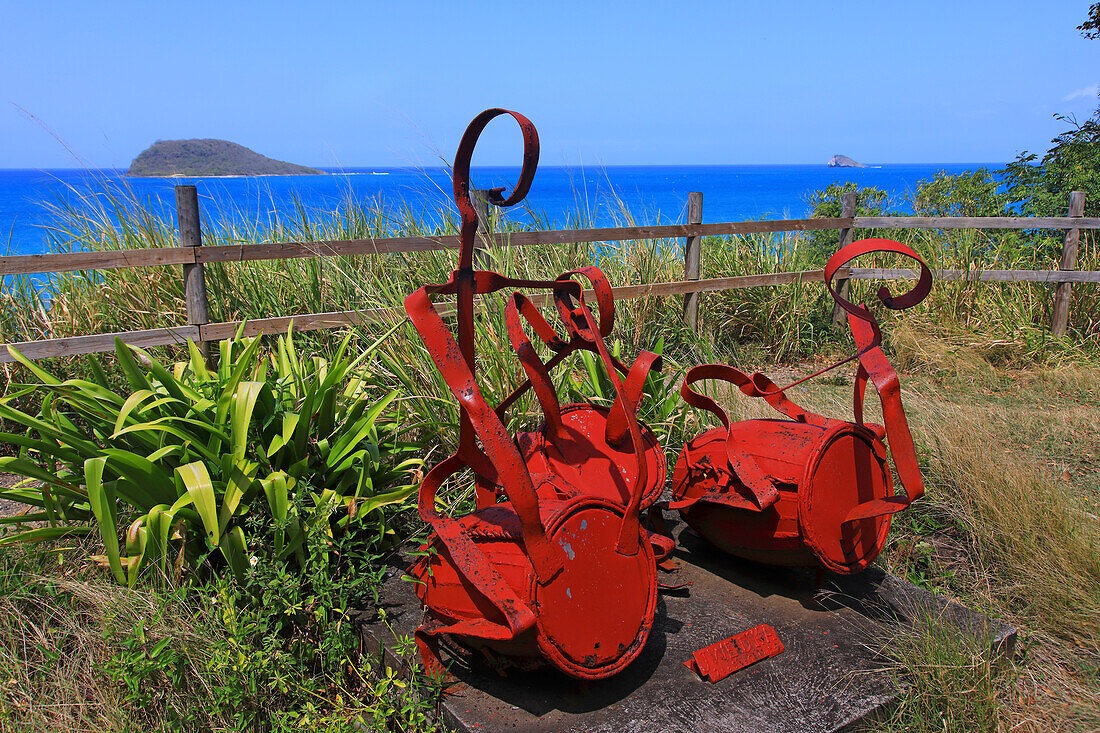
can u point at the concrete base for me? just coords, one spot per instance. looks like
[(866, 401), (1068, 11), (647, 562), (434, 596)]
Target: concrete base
[(829, 677)]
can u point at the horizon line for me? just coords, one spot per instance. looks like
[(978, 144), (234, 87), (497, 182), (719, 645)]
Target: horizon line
[(541, 165)]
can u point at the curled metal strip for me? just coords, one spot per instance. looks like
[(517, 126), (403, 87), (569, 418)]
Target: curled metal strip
[(577, 326), (906, 300), (546, 558), (462, 175)]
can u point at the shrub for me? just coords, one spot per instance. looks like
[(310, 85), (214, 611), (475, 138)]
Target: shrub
[(970, 193), (189, 454)]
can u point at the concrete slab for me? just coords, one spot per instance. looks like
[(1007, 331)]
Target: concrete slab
[(829, 677)]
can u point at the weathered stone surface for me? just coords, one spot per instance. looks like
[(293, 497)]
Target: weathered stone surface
[(843, 161), (829, 677)]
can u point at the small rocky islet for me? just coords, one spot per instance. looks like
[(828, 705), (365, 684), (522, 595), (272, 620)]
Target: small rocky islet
[(843, 161)]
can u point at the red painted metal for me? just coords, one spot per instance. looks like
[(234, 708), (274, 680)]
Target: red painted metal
[(722, 658), (553, 566), (808, 490)]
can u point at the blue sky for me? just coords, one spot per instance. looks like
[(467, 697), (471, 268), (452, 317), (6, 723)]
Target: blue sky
[(391, 84)]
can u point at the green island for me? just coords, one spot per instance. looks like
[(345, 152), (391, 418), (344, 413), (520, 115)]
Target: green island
[(210, 157)]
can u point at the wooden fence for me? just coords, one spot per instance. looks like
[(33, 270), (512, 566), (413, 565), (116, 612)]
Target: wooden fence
[(193, 256)]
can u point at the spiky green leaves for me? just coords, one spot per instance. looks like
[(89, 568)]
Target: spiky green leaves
[(191, 458)]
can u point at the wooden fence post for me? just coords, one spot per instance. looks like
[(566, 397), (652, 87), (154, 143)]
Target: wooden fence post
[(482, 259), (194, 276), (1059, 321), (847, 209), (693, 260)]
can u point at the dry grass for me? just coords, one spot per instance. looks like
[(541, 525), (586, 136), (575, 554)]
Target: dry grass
[(1012, 462), (1028, 522), (1011, 459), (952, 685), (60, 630)]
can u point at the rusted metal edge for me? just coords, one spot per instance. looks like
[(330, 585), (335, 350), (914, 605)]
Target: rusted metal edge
[(719, 660)]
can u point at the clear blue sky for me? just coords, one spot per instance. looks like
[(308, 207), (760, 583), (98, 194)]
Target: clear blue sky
[(394, 83)]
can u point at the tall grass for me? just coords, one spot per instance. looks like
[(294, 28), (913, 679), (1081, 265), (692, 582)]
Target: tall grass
[(787, 320), (783, 322)]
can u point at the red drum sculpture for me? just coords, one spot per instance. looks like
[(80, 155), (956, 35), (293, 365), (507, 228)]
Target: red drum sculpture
[(560, 571), (808, 490)]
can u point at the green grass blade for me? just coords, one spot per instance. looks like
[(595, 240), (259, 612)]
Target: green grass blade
[(130, 405), (43, 534), (234, 548), (134, 375), (149, 478), (102, 502), (24, 467), (96, 369), (244, 403), (241, 478), (196, 481), (43, 376), (198, 363), (392, 497)]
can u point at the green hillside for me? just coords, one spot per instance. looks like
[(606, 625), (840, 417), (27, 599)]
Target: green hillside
[(209, 158)]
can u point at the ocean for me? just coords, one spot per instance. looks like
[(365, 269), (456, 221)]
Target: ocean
[(604, 196)]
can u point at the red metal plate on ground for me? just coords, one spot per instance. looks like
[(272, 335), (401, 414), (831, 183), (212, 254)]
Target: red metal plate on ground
[(721, 659)]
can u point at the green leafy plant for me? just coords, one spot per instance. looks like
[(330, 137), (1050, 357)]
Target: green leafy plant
[(660, 406), (828, 203), (277, 652), (970, 193), (188, 454)]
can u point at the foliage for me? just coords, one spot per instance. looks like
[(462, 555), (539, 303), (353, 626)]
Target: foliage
[(1091, 27), (660, 406), (279, 652), (970, 193), (827, 203), (189, 455), (1072, 164)]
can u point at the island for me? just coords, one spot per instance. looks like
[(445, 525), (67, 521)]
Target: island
[(166, 158), (843, 161)]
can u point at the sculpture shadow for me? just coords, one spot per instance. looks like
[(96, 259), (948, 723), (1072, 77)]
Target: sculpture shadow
[(546, 689)]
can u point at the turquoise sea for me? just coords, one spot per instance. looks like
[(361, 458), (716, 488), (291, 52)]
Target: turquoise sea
[(558, 196)]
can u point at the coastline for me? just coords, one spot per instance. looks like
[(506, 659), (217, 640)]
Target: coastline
[(177, 176), (599, 195)]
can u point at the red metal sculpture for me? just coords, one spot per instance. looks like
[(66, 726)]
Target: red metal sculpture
[(808, 490), (560, 570)]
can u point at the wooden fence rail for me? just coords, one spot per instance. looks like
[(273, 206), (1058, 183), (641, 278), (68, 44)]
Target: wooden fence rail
[(192, 255)]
